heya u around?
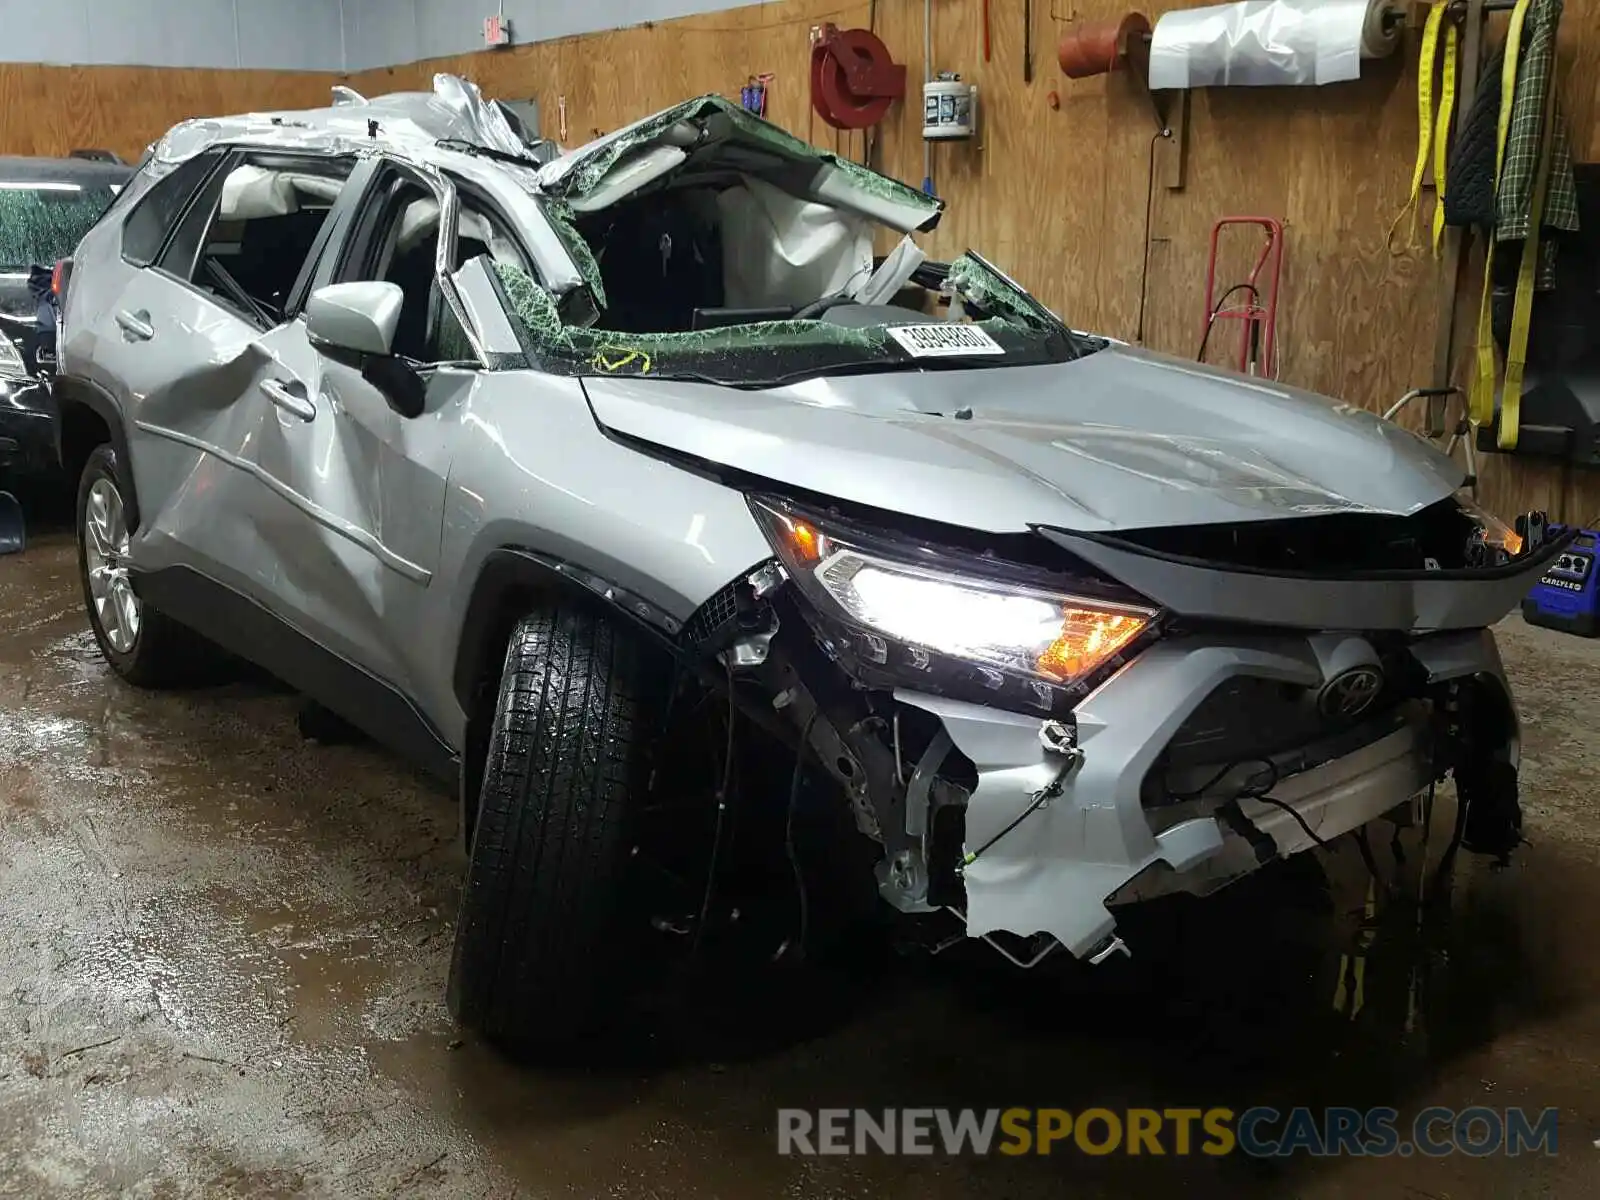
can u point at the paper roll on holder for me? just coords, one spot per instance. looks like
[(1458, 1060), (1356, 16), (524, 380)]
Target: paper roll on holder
[(1091, 48), (1099, 47)]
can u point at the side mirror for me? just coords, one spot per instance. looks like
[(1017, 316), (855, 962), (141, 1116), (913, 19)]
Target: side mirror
[(401, 386), (360, 319), (357, 317)]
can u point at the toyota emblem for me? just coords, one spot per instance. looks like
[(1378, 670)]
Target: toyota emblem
[(1350, 693)]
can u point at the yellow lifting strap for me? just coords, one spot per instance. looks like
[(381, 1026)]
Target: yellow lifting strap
[(1441, 133), (1433, 130), (1481, 403), (1522, 307)]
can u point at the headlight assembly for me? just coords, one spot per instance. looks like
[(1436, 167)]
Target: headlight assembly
[(918, 614), (1492, 542), (11, 364)]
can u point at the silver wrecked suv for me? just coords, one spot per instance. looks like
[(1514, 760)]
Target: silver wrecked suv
[(591, 481)]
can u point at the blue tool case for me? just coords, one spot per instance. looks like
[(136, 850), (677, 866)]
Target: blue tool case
[(1567, 596)]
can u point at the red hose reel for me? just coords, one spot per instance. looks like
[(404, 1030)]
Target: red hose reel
[(853, 79)]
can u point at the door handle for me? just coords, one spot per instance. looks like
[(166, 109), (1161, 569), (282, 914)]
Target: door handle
[(136, 326), (290, 397)]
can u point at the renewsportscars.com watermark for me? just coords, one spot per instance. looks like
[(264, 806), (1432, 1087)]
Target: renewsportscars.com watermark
[(1258, 1132)]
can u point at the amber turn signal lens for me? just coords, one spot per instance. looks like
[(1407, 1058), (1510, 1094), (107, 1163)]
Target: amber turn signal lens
[(806, 543), (1088, 638)]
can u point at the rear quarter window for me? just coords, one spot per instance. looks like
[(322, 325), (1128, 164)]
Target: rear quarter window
[(158, 211)]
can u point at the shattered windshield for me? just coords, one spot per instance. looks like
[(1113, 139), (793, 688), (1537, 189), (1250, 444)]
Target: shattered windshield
[(43, 222), (1012, 330), (766, 353), (715, 246)]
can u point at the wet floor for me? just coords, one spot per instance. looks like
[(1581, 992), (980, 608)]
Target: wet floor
[(222, 955)]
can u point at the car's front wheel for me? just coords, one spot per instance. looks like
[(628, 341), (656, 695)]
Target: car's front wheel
[(142, 645), (541, 958)]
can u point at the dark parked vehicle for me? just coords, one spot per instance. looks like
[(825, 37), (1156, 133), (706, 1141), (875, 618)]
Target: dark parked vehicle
[(46, 206)]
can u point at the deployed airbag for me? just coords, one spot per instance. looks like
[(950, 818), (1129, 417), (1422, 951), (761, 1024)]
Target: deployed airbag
[(251, 193), (778, 250)]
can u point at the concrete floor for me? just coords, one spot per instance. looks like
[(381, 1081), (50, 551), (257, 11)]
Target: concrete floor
[(222, 954)]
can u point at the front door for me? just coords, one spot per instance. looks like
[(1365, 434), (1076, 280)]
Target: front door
[(365, 486), (358, 542)]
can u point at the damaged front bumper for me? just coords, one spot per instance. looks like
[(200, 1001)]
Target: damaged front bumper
[(1099, 838), (1032, 744)]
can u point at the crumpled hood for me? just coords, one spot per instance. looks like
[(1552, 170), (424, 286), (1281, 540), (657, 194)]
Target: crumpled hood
[(1121, 439)]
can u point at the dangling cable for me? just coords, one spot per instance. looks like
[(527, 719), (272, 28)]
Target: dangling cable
[(1149, 205), (1211, 317), (788, 830), (716, 836)]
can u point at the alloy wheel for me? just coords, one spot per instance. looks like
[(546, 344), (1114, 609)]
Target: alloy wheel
[(117, 609)]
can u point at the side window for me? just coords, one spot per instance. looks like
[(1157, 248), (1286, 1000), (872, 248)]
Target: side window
[(397, 241), (153, 217), (252, 231)]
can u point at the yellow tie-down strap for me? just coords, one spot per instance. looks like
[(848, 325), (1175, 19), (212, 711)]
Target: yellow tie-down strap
[(1481, 397), (1441, 133), (1433, 129), (1522, 306)]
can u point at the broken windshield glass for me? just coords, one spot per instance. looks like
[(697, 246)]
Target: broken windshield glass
[(768, 352), (561, 220)]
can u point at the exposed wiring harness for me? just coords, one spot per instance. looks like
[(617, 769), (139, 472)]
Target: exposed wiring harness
[(1301, 821), (1035, 802), (1254, 790), (1040, 799), (788, 832), (716, 836)]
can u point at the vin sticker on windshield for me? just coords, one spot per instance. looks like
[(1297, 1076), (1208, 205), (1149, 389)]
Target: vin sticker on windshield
[(944, 340)]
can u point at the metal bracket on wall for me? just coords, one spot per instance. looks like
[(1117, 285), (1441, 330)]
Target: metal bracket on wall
[(1171, 109), (1172, 122), (1121, 45)]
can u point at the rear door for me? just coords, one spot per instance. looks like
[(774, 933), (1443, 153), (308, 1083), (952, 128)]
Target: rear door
[(192, 341)]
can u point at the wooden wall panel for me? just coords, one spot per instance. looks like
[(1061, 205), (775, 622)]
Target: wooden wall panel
[(1058, 196), (54, 110)]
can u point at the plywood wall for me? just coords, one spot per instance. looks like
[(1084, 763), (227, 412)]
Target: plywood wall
[(1058, 195), (54, 110)]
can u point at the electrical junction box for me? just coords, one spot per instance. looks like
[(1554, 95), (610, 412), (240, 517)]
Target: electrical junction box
[(496, 31)]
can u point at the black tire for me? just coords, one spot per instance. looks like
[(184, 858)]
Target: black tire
[(161, 653), (540, 961)]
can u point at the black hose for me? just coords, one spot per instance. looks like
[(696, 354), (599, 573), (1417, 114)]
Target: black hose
[(716, 836), (788, 830), (1211, 318), (1149, 205)]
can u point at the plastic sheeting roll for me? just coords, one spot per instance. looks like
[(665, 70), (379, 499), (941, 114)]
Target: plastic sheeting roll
[(1261, 43)]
